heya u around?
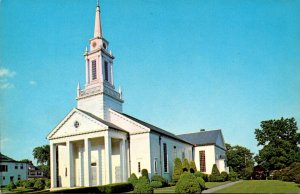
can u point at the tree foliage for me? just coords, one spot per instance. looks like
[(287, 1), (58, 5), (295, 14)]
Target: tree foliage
[(193, 167), (177, 170), (240, 159), (185, 165), (280, 141), (42, 154)]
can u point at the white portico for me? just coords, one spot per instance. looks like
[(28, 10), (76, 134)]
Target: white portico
[(87, 152)]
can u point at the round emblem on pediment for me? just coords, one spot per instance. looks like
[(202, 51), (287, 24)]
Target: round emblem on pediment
[(76, 124)]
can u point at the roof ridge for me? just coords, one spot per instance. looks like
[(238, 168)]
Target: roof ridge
[(201, 132)]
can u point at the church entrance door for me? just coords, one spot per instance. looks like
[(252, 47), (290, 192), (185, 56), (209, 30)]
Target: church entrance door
[(94, 174)]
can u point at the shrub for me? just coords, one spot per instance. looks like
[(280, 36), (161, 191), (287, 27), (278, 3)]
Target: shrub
[(215, 175), (294, 170), (193, 167), (29, 183), (143, 186), (160, 179), (233, 176), (11, 186), (115, 188), (39, 184), (187, 184), (201, 182), (19, 183), (177, 170), (133, 179), (145, 173), (47, 183), (224, 176), (202, 175), (185, 165), (156, 184), (297, 178)]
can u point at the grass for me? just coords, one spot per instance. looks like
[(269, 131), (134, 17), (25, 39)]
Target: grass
[(262, 186), (210, 185), (165, 190), (17, 190)]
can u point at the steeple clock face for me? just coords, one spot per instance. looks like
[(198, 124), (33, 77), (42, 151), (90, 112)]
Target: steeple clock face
[(94, 44)]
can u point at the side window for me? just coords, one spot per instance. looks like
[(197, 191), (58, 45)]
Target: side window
[(139, 167), (165, 151)]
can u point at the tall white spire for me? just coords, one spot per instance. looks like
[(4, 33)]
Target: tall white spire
[(98, 27)]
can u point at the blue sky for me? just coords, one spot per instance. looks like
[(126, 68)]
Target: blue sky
[(183, 65)]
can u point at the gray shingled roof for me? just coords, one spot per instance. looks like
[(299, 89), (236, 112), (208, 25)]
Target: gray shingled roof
[(4, 158), (155, 129), (202, 137), (111, 125)]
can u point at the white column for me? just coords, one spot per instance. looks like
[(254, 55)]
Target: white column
[(99, 164), (53, 166), (87, 162), (81, 167), (123, 159), (107, 140), (70, 163)]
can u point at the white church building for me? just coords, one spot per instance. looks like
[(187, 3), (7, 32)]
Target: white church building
[(97, 143)]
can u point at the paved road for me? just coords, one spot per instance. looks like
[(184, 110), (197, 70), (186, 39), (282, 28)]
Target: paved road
[(220, 187)]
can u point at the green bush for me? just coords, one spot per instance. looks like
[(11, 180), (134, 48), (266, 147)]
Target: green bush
[(11, 186), (201, 183), (29, 183), (185, 165), (115, 188), (145, 173), (156, 184), (133, 179), (232, 176), (202, 175), (19, 183), (111, 188), (39, 184), (177, 170), (160, 179), (47, 183), (294, 170), (224, 176), (143, 186), (297, 178), (193, 167), (187, 184), (215, 175)]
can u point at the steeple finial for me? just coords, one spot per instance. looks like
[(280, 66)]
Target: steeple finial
[(98, 27)]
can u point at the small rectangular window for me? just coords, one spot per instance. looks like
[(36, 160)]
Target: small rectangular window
[(3, 168), (165, 151), (4, 178), (174, 152), (21, 166), (94, 70), (106, 70), (19, 177), (16, 166), (139, 167), (183, 155), (202, 161)]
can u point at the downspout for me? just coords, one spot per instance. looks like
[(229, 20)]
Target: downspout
[(160, 155)]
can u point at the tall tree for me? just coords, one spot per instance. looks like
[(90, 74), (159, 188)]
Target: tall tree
[(280, 141), (42, 154), (240, 159)]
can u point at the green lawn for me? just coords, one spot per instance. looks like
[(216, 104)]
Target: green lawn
[(17, 190), (209, 185), (262, 186), (172, 189)]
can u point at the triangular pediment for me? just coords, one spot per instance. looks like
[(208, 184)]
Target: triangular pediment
[(76, 123)]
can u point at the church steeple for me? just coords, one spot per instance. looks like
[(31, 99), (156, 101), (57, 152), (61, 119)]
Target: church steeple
[(98, 27), (99, 94)]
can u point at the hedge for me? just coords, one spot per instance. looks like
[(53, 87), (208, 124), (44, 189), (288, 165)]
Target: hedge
[(110, 188)]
